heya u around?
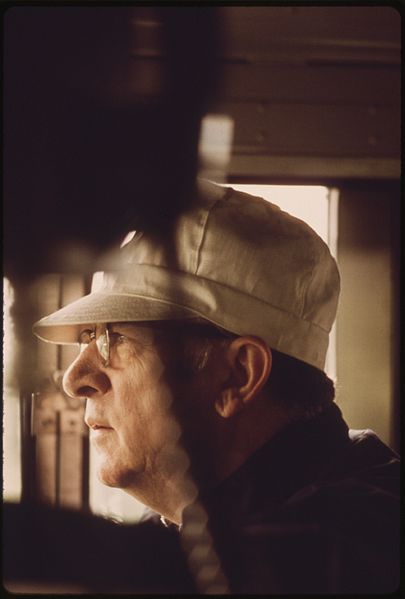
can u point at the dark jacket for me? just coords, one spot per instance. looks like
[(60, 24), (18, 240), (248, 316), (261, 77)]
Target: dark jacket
[(314, 510)]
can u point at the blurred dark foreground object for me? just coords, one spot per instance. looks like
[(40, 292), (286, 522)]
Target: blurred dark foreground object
[(44, 548), (94, 145)]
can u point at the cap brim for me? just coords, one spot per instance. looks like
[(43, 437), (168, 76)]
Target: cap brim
[(64, 325)]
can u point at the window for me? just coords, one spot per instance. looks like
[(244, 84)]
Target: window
[(11, 406)]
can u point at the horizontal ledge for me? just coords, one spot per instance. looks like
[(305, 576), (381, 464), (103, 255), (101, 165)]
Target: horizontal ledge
[(316, 166)]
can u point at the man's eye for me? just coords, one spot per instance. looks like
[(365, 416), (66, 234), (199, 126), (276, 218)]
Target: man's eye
[(86, 337), (117, 338)]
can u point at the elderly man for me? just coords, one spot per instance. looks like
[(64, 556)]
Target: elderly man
[(202, 358)]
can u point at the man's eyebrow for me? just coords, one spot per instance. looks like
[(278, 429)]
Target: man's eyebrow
[(111, 325), (135, 328)]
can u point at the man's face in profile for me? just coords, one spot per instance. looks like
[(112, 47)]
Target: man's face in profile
[(128, 406)]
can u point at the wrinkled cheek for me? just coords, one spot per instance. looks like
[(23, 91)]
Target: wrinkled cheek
[(162, 423), (165, 435), (113, 452), (105, 461)]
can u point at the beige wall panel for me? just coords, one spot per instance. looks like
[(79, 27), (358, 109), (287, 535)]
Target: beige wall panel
[(47, 292), (311, 84), (366, 325), (252, 28), (311, 130), (289, 168), (45, 430), (71, 457), (364, 340), (73, 288)]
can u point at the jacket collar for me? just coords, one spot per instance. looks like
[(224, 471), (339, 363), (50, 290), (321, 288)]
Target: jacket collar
[(296, 456)]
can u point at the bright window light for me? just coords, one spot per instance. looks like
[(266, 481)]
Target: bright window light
[(11, 406), (309, 203)]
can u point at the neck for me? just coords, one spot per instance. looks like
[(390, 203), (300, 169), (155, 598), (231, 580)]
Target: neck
[(232, 443), (167, 495), (242, 435)]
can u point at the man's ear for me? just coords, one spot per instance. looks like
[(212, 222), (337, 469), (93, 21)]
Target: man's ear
[(249, 359)]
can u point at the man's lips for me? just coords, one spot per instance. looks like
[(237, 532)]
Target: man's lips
[(97, 425), (99, 431)]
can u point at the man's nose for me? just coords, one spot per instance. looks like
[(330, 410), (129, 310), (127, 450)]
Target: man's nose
[(85, 376)]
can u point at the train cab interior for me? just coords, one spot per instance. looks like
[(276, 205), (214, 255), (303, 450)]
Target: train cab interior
[(103, 105)]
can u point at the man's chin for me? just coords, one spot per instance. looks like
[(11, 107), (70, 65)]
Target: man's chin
[(111, 478), (114, 477)]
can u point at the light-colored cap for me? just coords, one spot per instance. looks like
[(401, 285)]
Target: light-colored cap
[(233, 259)]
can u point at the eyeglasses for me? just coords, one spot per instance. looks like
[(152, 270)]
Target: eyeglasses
[(102, 337), (106, 339)]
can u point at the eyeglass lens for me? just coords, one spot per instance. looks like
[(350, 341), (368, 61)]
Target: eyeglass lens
[(102, 337)]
